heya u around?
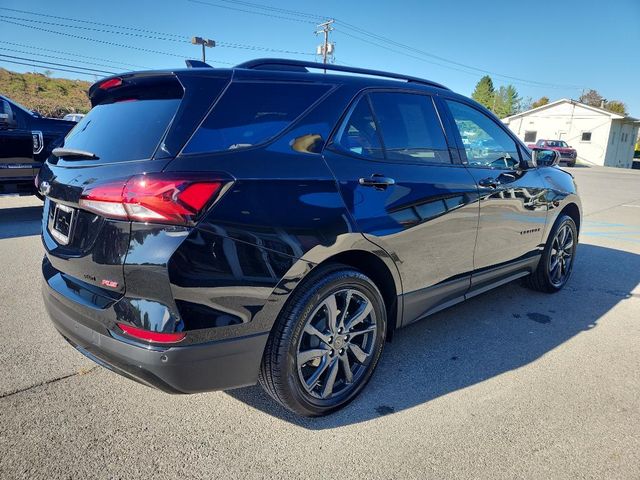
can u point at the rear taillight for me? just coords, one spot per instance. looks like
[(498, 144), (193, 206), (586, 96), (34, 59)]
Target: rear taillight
[(158, 198), (111, 83), (149, 336)]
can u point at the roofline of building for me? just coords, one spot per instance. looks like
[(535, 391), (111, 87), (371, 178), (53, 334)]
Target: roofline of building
[(615, 116)]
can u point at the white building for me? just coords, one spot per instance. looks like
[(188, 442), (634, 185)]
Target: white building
[(600, 137)]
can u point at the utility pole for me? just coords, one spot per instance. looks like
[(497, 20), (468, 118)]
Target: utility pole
[(205, 42), (327, 48)]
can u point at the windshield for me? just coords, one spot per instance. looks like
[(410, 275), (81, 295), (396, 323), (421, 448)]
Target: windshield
[(125, 130), (556, 143)]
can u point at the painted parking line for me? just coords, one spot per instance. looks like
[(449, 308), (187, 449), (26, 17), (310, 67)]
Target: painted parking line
[(614, 231)]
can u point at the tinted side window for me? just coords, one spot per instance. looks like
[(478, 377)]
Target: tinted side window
[(485, 143), (251, 113), (360, 135), (410, 128)]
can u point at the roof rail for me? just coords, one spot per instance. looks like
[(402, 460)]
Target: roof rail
[(301, 65)]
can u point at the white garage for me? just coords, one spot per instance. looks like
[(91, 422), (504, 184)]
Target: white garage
[(599, 136)]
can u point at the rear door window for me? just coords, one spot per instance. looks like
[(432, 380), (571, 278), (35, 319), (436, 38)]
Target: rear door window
[(250, 113), (123, 130), (360, 134), (410, 128)]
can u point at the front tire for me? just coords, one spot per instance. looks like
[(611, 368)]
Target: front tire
[(326, 342), (556, 263)]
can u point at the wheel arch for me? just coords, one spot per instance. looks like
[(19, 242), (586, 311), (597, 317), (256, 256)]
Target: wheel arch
[(377, 270), (573, 211)]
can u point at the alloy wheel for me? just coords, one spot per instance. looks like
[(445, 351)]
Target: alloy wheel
[(337, 344), (561, 255)]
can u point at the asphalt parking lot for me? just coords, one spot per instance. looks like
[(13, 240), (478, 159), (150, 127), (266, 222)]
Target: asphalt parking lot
[(511, 384)]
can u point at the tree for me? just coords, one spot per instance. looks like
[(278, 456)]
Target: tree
[(616, 106), (484, 92), (540, 102), (506, 101), (591, 97)]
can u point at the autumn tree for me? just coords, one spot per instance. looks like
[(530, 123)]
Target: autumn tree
[(540, 102), (616, 106), (591, 97)]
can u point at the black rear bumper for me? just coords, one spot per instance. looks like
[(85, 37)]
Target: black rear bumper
[(194, 368)]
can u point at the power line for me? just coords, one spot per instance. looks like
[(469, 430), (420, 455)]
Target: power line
[(378, 37), (276, 9), (72, 54), (185, 39), (58, 64), (91, 22), (94, 39), (299, 20), (47, 67), (459, 64), (93, 29), (58, 58)]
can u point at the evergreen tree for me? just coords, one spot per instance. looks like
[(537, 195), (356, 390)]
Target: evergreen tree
[(484, 92), (506, 101)]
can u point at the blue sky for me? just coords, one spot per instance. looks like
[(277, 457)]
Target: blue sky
[(552, 48)]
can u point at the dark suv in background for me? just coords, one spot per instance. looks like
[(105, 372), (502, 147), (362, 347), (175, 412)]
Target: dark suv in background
[(26, 140), (207, 229)]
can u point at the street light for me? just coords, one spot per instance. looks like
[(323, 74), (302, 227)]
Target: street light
[(205, 42)]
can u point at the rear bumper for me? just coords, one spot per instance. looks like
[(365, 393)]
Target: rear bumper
[(194, 368)]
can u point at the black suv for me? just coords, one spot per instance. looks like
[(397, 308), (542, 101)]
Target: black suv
[(207, 229), (26, 140)]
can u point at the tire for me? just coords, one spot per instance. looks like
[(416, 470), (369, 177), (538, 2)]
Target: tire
[(545, 277), (287, 364), (571, 164)]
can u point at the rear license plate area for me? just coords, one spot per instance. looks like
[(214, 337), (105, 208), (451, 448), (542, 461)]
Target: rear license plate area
[(61, 223)]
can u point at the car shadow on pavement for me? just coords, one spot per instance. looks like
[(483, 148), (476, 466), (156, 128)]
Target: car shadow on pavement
[(480, 339), (20, 222)]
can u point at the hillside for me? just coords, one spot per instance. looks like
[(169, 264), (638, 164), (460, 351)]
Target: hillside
[(51, 97)]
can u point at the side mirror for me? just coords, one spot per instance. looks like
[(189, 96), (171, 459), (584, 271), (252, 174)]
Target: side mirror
[(545, 158)]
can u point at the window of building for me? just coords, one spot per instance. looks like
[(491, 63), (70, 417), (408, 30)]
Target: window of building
[(586, 137), (530, 136)]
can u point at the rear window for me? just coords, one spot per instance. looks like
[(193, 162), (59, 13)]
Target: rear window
[(252, 113), (124, 130)]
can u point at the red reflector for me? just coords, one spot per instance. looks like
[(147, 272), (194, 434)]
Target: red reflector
[(159, 198), (149, 336), (111, 83)]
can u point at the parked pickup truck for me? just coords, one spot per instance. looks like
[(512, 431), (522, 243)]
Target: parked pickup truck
[(567, 154), (26, 140)]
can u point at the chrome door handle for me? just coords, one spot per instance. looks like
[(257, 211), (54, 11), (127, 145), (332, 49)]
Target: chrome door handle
[(489, 182), (377, 181)]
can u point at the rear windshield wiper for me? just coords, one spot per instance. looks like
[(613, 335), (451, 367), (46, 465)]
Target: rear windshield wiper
[(74, 153)]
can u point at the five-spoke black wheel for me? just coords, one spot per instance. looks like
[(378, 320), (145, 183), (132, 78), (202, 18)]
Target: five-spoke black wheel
[(326, 343), (556, 264)]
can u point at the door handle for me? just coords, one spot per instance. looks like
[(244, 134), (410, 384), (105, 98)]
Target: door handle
[(489, 182), (377, 181)]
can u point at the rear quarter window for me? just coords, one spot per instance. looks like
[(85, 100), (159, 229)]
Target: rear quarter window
[(250, 113)]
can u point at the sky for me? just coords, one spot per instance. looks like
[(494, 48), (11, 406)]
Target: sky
[(544, 48)]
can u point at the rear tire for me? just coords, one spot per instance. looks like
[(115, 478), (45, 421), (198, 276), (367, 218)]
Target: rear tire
[(556, 263), (333, 324)]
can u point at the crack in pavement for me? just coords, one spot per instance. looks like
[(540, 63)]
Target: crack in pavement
[(47, 382)]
